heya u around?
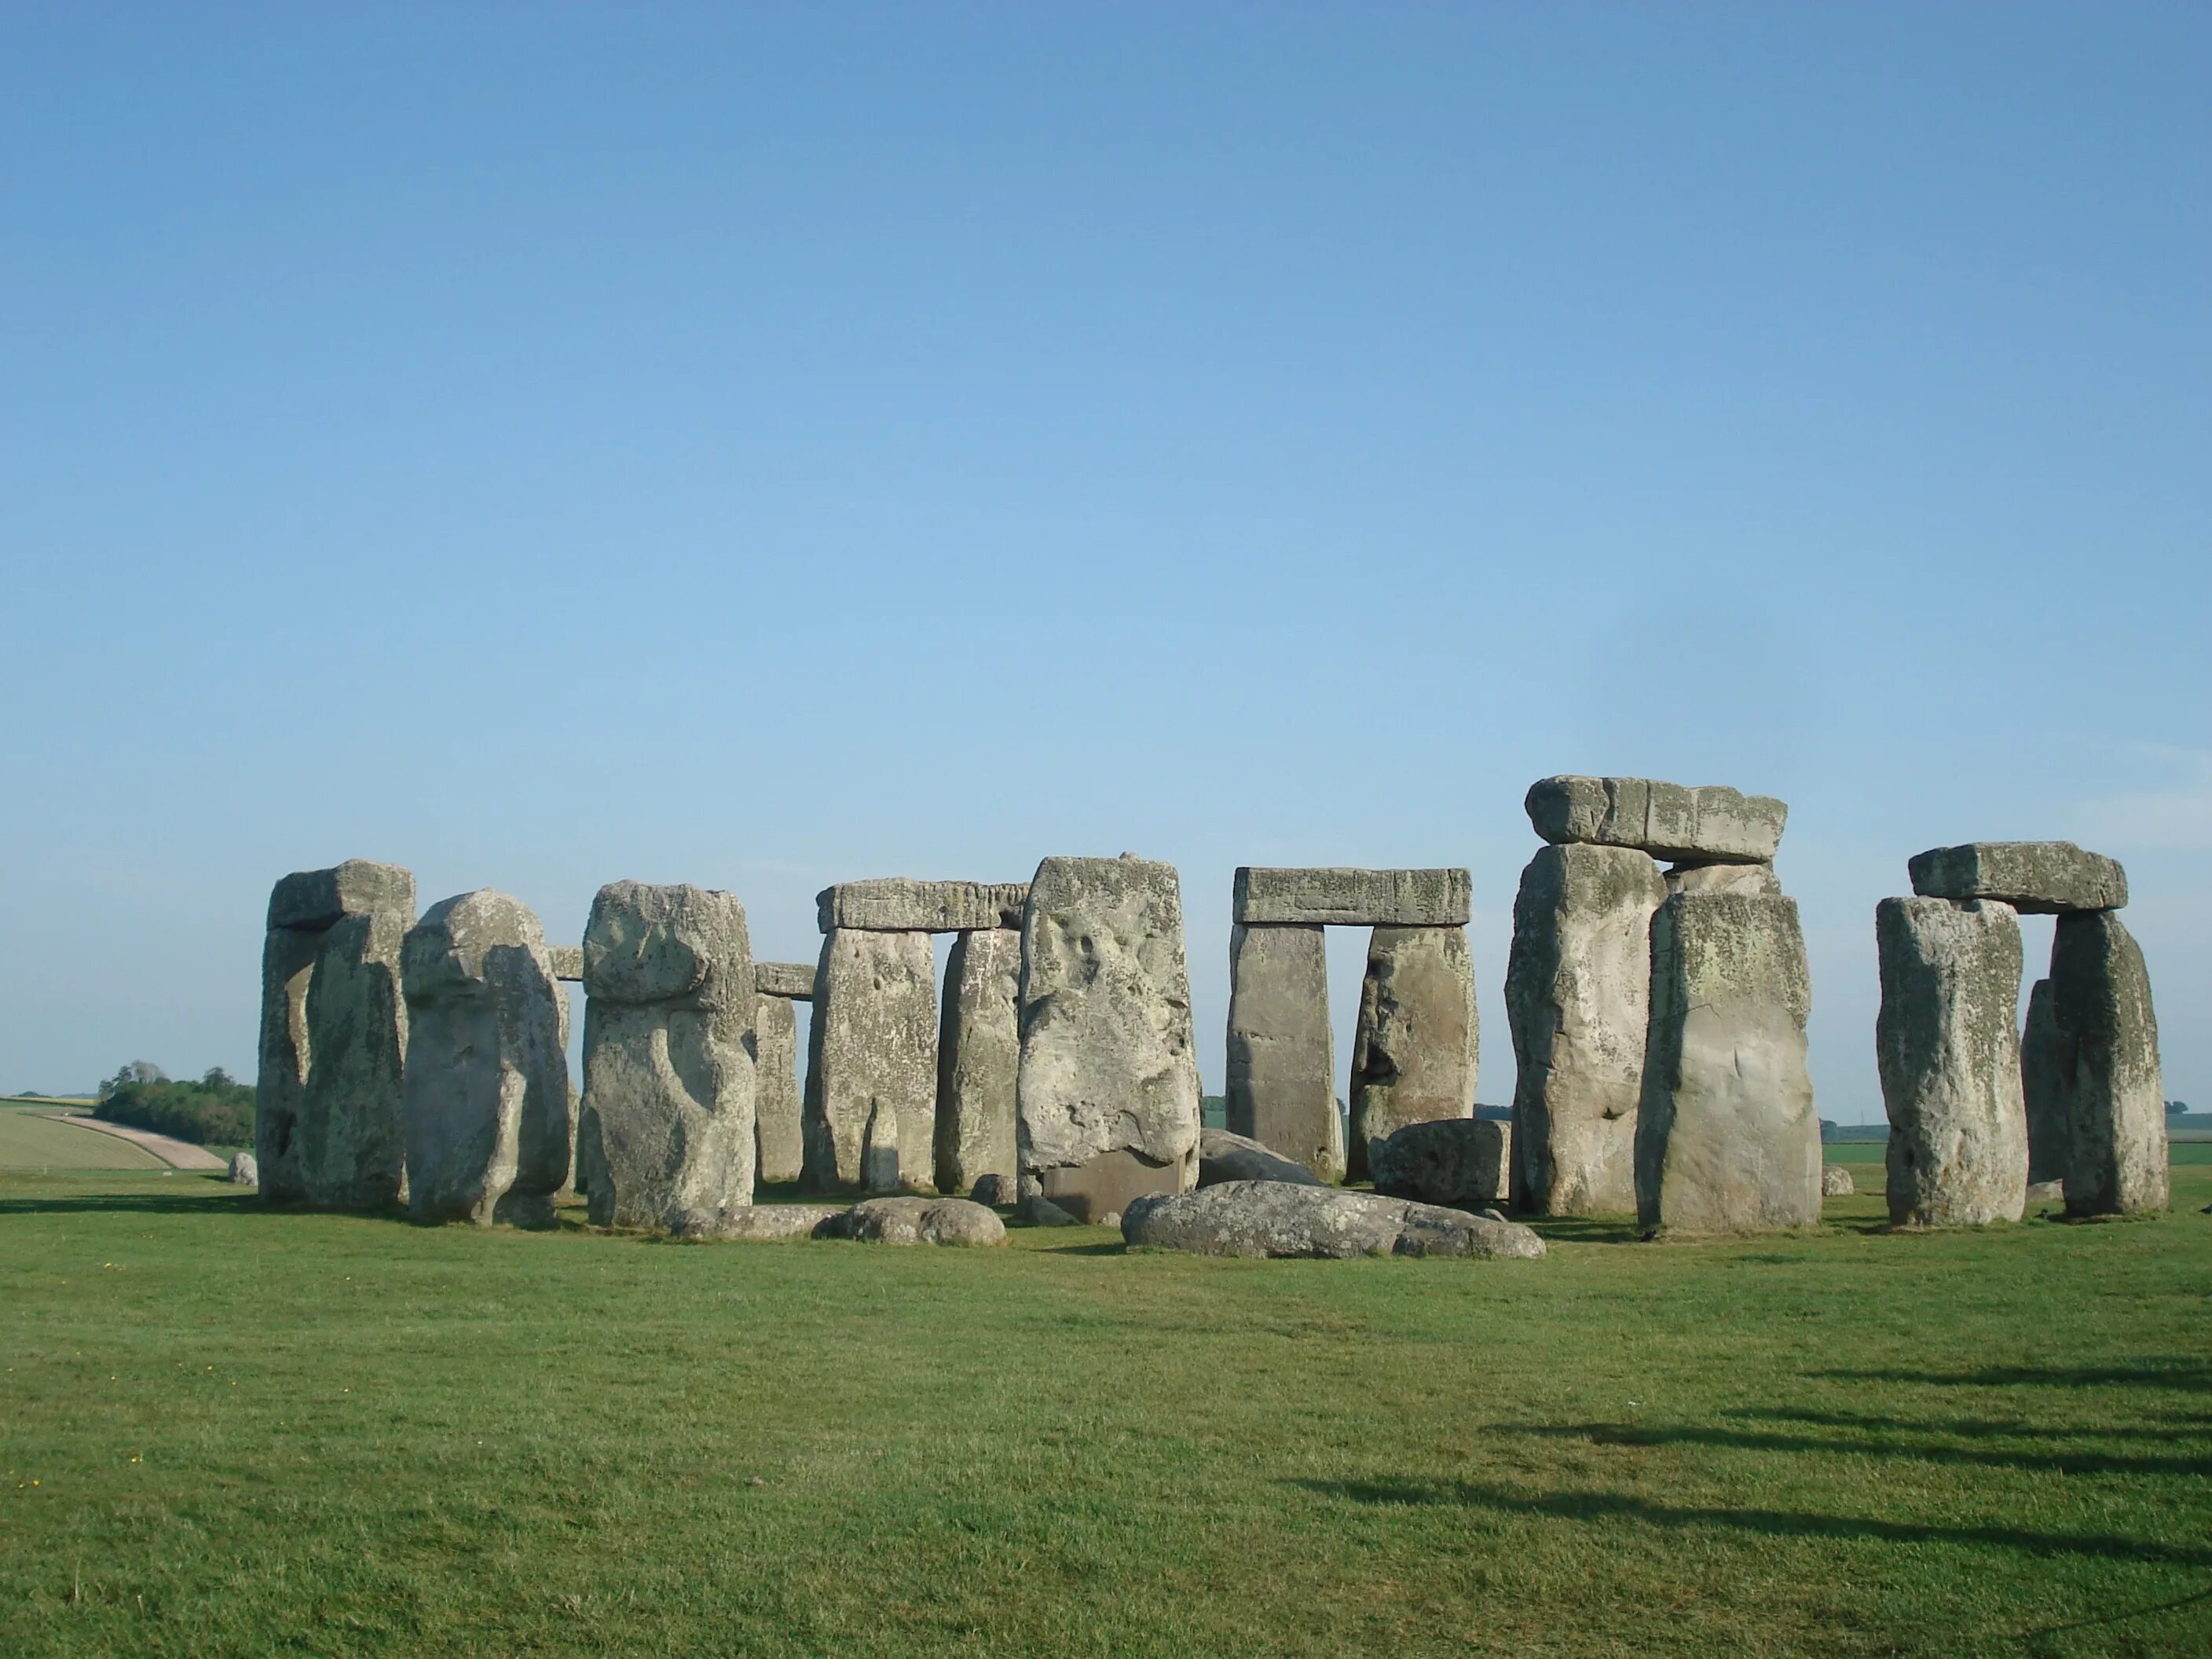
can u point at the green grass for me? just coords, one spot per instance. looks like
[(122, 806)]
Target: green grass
[(30, 1141), (229, 1432)]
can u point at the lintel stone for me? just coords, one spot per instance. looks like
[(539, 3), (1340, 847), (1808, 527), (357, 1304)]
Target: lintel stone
[(2036, 878), (899, 904), (359, 887), (567, 960), (792, 981), (1706, 825), (1354, 898)]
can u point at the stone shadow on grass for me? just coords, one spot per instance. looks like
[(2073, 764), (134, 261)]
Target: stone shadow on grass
[(2056, 1459), (2182, 1373), (162, 1203)]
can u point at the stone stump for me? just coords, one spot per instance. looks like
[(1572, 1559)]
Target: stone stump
[(2107, 1050), (1577, 996), (1949, 1060), (1282, 1056), (668, 1122), (778, 1142), (489, 1111), (2042, 1078), (1108, 1095), (1726, 1137), (979, 1061), (1413, 1057), (870, 1105)]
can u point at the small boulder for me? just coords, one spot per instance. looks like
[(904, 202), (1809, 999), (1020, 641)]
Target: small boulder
[(1836, 1181), (757, 1221), (244, 1171), (917, 1221), (994, 1190), (1280, 1218), (1041, 1212), (1224, 1156), (1462, 1161)]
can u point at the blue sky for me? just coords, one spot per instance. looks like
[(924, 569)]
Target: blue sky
[(768, 446)]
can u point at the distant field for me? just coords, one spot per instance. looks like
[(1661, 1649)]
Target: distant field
[(30, 1141), (2180, 1150)]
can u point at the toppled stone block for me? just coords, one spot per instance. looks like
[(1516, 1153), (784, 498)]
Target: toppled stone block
[(779, 1137), (1578, 997), (1413, 1056), (1836, 1181), (1280, 1218), (1354, 898), (2036, 878), (979, 1054), (2107, 1036), (917, 1221), (1282, 1054), (1463, 1162), (1224, 1156), (871, 1106), (315, 899), (1709, 824), (2044, 1069), (791, 979), (568, 961), (774, 1221), (898, 904)]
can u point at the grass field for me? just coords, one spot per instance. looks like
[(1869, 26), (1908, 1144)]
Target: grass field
[(229, 1432), (29, 1140)]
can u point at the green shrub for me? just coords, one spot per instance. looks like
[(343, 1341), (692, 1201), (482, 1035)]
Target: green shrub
[(215, 1111)]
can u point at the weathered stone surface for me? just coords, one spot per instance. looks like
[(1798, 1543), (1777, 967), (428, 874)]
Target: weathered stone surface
[(1282, 1055), (871, 1106), (1726, 1138), (1041, 1212), (1758, 879), (1836, 1181), (2036, 878), (316, 898), (791, 979), (776, 1221), (1354, 898), (995, 1191), (917, 1221), (898, 904), (668, 1054), (979, 1057), (488, 1104), (244, 1171), (1108, 1098), (352, 1135), (1461, 1162), (568, 961), (2115, 1094), (1577, 997), (288, 966), (1949, 1054), (779, 1138), (1280, 1218), (1224, 1156), (1667, 820), (2044, 1071), (2046, 1192), (1413, 1056)]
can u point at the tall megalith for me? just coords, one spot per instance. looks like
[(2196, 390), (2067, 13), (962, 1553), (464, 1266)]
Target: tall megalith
[(870, 1105), (778, 1143), (2107, 1038), (1414, 1050), (2044, 1071), (979, 1060), (1281, 1077)]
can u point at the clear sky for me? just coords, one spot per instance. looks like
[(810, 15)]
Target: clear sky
[(767, 446)]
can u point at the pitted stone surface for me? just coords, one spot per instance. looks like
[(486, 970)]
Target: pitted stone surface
[(898, 904), (288, 966), (488, 1104), (1461, 1162), (2115, 1093), (1414, 1049), (979, 1054), (1696, 825), (1282, 1054), (779, 1139), (1836, 1181), (244, 1171), (568, 961), (1108, 1098), (870, 1107), (317, 898), (668, 1055), (916, 1221), (774, 1221), (791, 979), (2036, 878), (1949, 1054), (1726, 1137), (1757, 879), (1280, 1218), (1223, 1156), (1354, 898), (1578, 997), (2045, 1068)]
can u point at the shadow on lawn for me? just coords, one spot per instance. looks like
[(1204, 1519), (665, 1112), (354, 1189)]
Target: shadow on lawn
[(1768, 1524), (2057, 1460), (2182, 1374), (198, 1202)]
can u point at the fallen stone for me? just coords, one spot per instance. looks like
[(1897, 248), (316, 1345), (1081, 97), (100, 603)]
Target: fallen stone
[(792, 979), (897, 904), (2036, 878), (2045, 1067), (917, 1221), (568, 961), (668, 1055), (1706, 824), (1948, 1054), (1758, 879), (871, 1107), (1836, 1181), (1414, 1055), (1224, 1156), (1726, 1137), (1463, 1163), (488, 1103), (1353, 899), (1577, 997), (243, 1170), (779, 1136), (2116, 1096), (1279, 1218), (1041, 1212), (1282, 1054), (992, 1190), (2046, 1192), (776, 1221), (1107, 1097), (979, 1056), (315, 899)]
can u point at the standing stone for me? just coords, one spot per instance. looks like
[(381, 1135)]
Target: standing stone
[(1577, 997), (1726, 1138), (1949, 1060), (778, 1140), (1413, 1056), (871, 1106), (1282, 1056), (244, 1172), (979, 1053), (489, 1123), (288, 966), (1108, 1098), (2044, 1069), (667, 1123), (2115, 1094)]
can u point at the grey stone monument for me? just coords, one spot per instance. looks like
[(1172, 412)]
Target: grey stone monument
[(1282, 1056), (979, 1061), (1414, 1050), (779, 1139), (2043, 1079), (2107, 1042), (871, 1106)]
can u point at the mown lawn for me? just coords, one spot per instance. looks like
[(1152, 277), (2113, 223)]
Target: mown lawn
[(228, 1431), (30, 1139)]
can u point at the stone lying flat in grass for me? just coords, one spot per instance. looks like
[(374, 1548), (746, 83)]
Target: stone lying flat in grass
[(756, 1221), (916, 1221), (1277, 1218), (1459, 1161), (1710, 824), (1223, 1157), (2036, 878)]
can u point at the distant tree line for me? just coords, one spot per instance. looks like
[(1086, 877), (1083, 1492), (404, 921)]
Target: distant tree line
[(215, 1111)]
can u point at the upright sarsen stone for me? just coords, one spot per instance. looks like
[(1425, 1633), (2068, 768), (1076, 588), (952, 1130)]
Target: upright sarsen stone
[(1726, 1138), (667, 1124), (1413, 1056), (871, 1106), (488, 1112), (1949, 1059), (288, 966), (2115, 1094), (1577, 996), (1282, 1056), (979, 1061), (778, 1139), (1108, 1099), (2045, 1069)]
